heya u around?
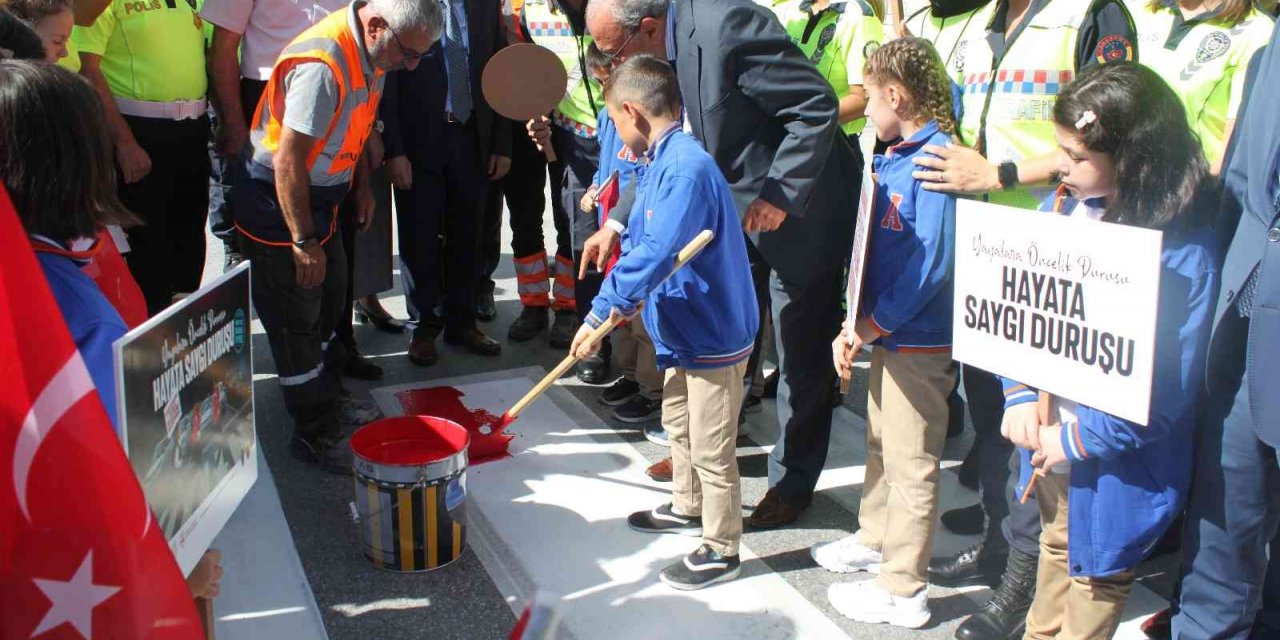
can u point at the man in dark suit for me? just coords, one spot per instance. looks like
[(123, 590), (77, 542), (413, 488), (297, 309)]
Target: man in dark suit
[(769, 119), (1235, 504), (443, 143)]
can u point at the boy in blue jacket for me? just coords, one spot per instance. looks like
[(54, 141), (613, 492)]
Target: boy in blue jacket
[(703, 319), (637, 394), (905, 312)]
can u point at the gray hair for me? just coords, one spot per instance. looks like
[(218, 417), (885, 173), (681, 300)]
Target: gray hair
[(411, 15), (629, 13)]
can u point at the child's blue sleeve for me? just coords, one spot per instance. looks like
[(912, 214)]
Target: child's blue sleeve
[(927, 271), (1016, 393), (95, 345), (1179, 372), (676, 220), (604, 133)]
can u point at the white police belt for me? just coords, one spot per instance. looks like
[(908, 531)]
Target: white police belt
[(176, 110)]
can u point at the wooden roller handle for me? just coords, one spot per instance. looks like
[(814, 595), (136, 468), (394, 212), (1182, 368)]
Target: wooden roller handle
[(549, 153), (1044, 405), (686, 254)]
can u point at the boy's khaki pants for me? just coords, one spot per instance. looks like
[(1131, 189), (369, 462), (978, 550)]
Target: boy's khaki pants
[(1069, 608), (700, 412), (907, 416), (637, 359)]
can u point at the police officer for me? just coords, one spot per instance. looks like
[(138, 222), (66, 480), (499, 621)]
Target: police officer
[(560, 25), (308, 137), (1012, 72), (146, 59), (1202, 51)]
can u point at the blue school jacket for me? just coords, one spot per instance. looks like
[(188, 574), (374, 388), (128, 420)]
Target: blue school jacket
[(705, 315), (614, 154), (93, 323), (1128, 482), (908, 288)]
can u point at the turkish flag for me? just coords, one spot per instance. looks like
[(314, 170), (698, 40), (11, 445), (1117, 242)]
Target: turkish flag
[(80, 554), (608, 199)]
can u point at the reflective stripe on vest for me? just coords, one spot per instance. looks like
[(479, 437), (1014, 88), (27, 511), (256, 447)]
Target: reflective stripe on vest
[(582, 100), (1008, 103), (333, 158)]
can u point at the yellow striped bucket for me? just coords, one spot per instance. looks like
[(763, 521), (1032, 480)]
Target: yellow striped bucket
[(411, 492)]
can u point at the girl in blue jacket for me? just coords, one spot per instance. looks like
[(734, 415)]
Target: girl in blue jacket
[(906, 313), (1108, 487)]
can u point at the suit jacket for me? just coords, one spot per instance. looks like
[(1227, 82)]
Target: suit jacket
[(413, 101), (769, 119), (1252, 202)]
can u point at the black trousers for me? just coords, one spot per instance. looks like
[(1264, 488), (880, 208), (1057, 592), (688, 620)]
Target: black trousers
[(522, 188), (571, 176), (167, 251), (444, 201), (1012, 523), (299, 323), (224, 172), (344, 331)]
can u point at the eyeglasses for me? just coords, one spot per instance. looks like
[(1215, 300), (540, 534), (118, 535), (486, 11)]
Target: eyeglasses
[(613, 58), (406, 54)]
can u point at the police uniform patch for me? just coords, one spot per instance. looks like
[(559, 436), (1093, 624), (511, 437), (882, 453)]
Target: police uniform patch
[(1214, 45), (1113, 48), (958, 56), (869, 48)]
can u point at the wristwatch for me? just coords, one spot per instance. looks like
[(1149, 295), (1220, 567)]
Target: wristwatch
[(1008, 175), (306, 243)]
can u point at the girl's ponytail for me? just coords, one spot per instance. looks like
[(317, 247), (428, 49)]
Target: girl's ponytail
[(914, 63)]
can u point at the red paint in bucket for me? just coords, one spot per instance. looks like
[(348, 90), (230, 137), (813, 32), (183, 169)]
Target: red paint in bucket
[(489, 441), (408, 441)]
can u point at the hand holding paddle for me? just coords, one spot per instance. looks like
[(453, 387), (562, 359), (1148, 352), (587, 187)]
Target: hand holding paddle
[(524, 82), (686, 254), (1044, 405)]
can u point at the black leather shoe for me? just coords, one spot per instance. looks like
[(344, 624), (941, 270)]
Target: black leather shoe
[(486, 308), (352, 364), (1004, 617), (966, 521), (422, 351), (973, 566), (475, 341), (594, 370), (775, 511), (369, 311), (532, 321)]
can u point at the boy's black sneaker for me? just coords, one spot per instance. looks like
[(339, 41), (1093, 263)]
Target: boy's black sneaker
[(663, 519), (619, 392), (638, 410), (702, 568)]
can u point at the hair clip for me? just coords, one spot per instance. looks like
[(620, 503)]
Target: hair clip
[(1087, 118)]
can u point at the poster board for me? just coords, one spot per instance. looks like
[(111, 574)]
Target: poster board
[(184, 384), (1063, 305), (861, 240)]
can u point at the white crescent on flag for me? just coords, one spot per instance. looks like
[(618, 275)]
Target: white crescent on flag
[(62, 392)]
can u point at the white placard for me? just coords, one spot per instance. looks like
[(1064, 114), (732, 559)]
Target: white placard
[(1064, 305), (861, 238)]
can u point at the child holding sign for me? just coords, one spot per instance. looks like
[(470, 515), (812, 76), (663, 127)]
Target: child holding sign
[(1108, 488), (906, 312), (703, 319)]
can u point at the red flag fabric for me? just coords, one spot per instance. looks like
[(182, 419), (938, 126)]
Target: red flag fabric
[(608, 199), (112, 276), (80, 554)]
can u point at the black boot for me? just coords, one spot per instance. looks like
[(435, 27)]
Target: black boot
[(1004, 617)]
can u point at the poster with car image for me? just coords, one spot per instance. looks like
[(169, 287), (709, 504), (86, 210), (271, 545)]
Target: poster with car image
[(185, 394)]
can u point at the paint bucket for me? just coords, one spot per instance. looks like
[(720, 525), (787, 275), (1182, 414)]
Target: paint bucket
[(411, 492)]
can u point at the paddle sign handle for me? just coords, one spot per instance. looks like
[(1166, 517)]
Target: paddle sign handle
[(1044, 405), (686, 254), (549, 153)]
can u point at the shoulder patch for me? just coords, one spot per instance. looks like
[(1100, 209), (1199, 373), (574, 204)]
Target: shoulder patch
[(1213, 46), (866, 8), (1114, 48)]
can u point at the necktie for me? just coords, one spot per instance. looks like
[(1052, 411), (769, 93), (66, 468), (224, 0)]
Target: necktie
[(455, 54), (1244, 302)]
